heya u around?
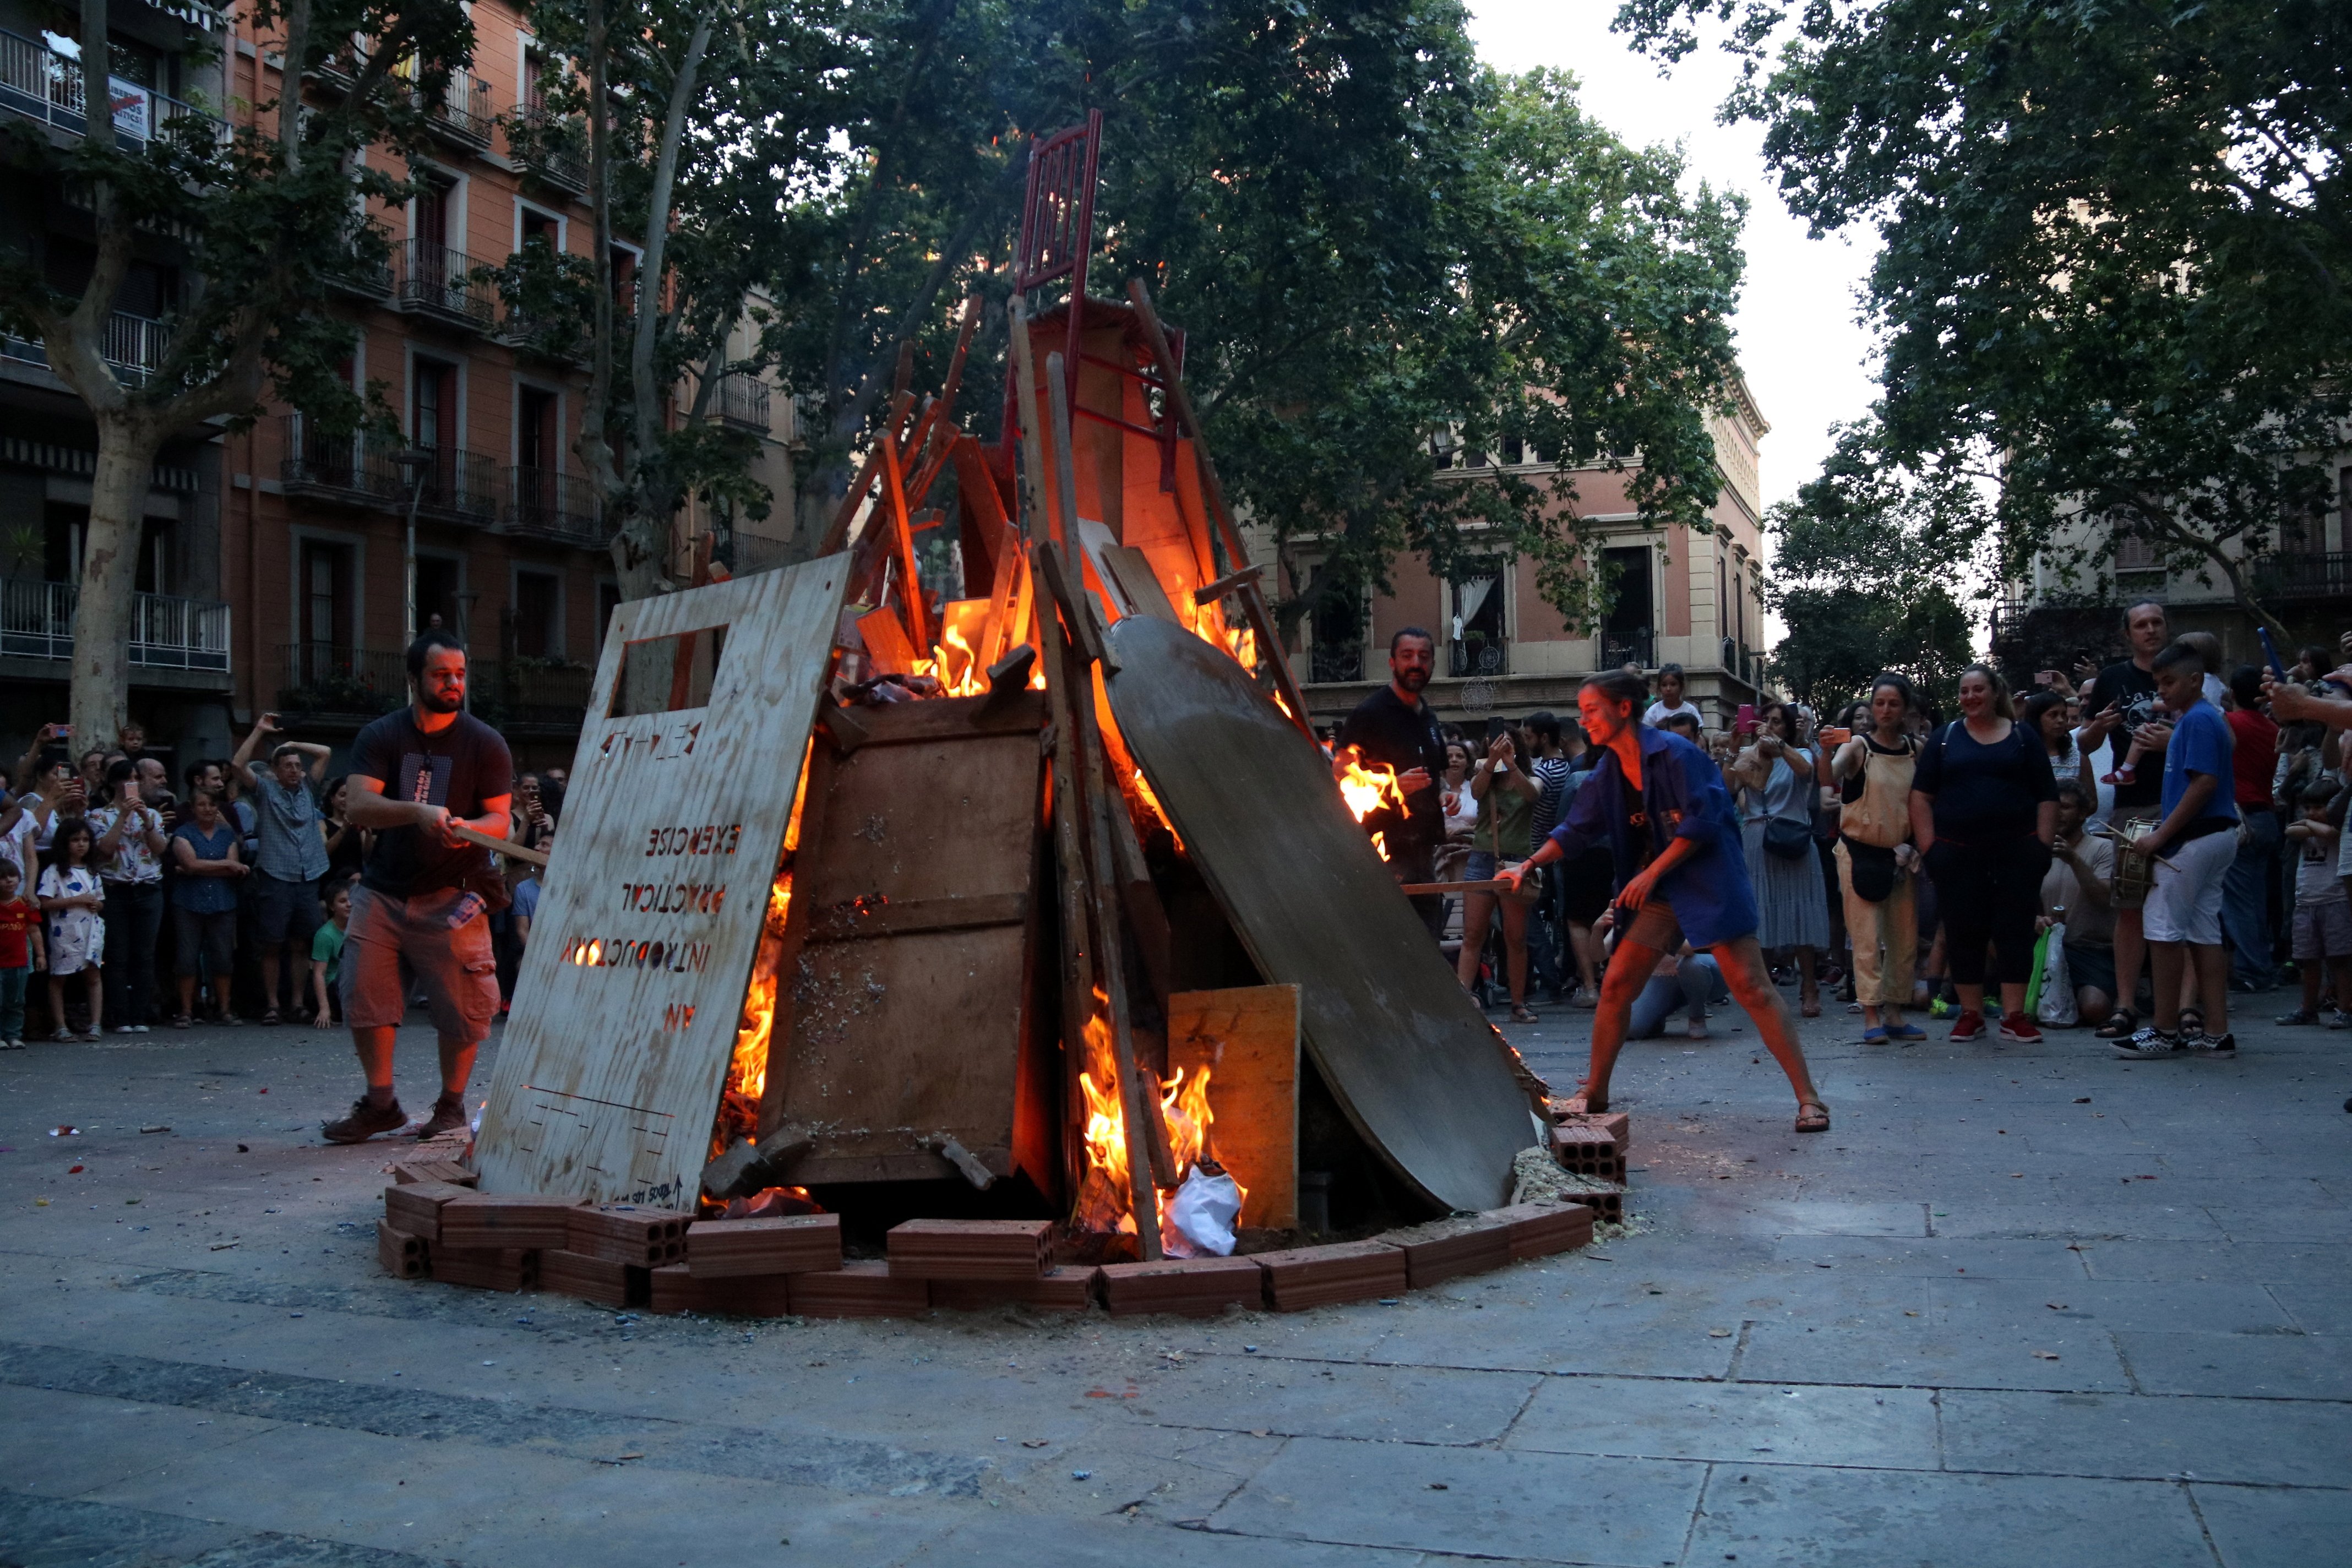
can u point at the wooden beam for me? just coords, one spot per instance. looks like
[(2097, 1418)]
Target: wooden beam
[(1078, 616), (504, 846), (1420, 889), (1036, 520), (938, 428), (1069, 852), (1209, 594), (1066, 470), (894, 494)]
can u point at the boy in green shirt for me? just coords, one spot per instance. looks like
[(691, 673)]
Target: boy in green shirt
[(327, 951)]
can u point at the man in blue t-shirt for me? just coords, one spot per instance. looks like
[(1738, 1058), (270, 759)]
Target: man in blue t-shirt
[(2194, 841)]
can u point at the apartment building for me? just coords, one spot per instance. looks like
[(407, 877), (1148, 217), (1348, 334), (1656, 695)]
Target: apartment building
[(283, 573), (1692, 596)]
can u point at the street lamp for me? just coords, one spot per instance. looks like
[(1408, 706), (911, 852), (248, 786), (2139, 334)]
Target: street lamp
[(414, 462)]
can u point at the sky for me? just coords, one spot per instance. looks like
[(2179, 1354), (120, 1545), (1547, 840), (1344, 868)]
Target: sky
[(1806, 357)]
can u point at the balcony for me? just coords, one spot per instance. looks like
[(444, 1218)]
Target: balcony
[(445, 285), (367, 279), (552, 148), (742, 402), (332, 679), (462, 113), (2304, 574), (1637, 648), (40, 84), (553, 504), (347, 471), (1335, 663), (134, 346), (334, 75), (166, 632), (1477, 654), (458, 485)]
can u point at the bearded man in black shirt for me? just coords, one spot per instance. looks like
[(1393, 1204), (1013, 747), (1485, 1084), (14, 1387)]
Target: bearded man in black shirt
[(1394, 727)]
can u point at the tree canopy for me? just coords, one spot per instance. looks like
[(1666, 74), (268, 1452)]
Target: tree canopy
[(2112, 287)]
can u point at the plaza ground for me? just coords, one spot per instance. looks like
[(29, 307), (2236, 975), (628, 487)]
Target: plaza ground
[(2022, 1306)]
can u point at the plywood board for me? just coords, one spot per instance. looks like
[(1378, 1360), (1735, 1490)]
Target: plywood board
[(1416, 1068), (624, 1013), (1248, 1040), (909, 949)]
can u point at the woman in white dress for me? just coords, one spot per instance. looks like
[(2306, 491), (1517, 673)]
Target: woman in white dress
[(74, 901)]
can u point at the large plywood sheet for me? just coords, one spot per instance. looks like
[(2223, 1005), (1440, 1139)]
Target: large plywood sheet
[(1246, 1039), (1412, 1064), (624, 1013), (905, 1018)]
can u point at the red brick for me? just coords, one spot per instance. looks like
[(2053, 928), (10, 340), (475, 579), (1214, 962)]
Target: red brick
[(416, 1208), (972, 1249), (1446, 1250), (675, 1289), (491, 1269), (1615, 1124), (860, 1289), (622, 1233), (504, 1221), (448, 1171), (592, 1279), (1194, 1287), (1304, 1277), (1539, 1230), (1069, 1288), (403, 1255), (746, 1248)]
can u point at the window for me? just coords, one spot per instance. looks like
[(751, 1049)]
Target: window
[(438, 580), (535, 437), (1335, 629), (432, 212), (432, 409), (1475, 612), (537, 225), (538, 615), (154, 570), (2135, 552), (325, 604), (608, 599), (1626, 632)]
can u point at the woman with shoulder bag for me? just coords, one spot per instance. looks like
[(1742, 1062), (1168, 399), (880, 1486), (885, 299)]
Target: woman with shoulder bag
[(1877, 867), (1792, 904), (1984, 806)]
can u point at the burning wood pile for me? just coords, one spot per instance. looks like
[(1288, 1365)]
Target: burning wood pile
[(1008, 947)]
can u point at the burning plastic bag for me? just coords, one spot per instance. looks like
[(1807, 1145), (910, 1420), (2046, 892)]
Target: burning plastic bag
[(1200, 1215)]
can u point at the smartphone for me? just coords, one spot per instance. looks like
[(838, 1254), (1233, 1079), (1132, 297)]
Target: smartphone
[(1745, 718), (2270, 651), (1495, 727), (2046, 677)]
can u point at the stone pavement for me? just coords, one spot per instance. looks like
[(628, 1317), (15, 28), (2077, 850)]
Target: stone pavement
[(2021, 1306)]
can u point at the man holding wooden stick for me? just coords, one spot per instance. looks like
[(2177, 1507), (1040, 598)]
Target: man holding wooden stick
[(433, 782)]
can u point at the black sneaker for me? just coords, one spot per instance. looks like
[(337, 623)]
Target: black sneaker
[(2151, 1042), (449, 1115), (2300, 1016), (365, 1121), (2220, 1045)]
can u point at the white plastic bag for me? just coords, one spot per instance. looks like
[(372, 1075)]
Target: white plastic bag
[(2057, 1006), (1201, 1214)]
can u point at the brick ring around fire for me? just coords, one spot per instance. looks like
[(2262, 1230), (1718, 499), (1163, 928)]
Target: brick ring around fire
[(620, 1255)]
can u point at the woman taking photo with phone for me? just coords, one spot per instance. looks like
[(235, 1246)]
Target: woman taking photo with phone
[(1776, 778), (1506, 793)]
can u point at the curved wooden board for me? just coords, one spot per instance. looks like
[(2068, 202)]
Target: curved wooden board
[(1411, 1062)]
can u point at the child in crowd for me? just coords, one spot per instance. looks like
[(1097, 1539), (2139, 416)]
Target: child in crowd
[(327, 953), (20, 950), (2323, 913), (75, 903)]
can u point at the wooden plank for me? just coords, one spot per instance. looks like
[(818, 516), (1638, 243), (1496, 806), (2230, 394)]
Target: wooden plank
[(888, 1040), (1227, 583), (1418, 890), (1037, 519), (894, 496), (1247, 1041), (1077, 913), (888, 650), (504, 846), (1416, 1068), (1139, 582), (623, 1021)]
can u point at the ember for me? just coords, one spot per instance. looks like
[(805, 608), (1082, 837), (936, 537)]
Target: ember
[(1367, 790)]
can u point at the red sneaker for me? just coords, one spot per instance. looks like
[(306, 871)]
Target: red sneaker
[(2021, 1029), (1968, 1025)]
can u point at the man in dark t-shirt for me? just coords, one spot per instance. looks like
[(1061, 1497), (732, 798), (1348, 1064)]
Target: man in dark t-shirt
[(2121, 705), (416, 775), (1393, 727)]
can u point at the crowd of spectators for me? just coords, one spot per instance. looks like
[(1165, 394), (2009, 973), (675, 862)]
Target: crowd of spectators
[(224, 900), (2121, 848)]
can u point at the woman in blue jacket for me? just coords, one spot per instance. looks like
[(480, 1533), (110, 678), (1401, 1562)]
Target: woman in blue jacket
[(1682, 874)]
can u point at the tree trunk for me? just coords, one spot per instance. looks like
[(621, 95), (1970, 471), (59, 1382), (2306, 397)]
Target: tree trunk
[(110, 580)]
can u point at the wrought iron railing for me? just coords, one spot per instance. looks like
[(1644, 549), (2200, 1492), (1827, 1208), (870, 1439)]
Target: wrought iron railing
[(166, 632), (551, 502), (438, 281), (354, 468), (460, 482), (134, 346), (463, 111), (1336, 662), (1637, 648), (527, 690), (550, 145), (2304, 574), (742, 402), (1476, 654), (329, 678), (41, 84)]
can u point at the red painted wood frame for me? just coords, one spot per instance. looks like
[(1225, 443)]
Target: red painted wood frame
[(1057, 230)]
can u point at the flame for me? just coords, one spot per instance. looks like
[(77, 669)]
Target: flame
[(1367, 790), (956, 657), (1106, 1200), (1286, 713), (747, 1068), (1143, 792), (1381, 843), (1241, 643)]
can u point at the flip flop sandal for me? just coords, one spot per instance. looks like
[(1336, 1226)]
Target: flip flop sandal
[(2193, 1021), (1521, 1016), (1812, 1116), (2121, 1025)]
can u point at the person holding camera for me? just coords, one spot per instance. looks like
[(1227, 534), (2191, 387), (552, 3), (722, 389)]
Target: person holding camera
[(290, 862), (131, 838)]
